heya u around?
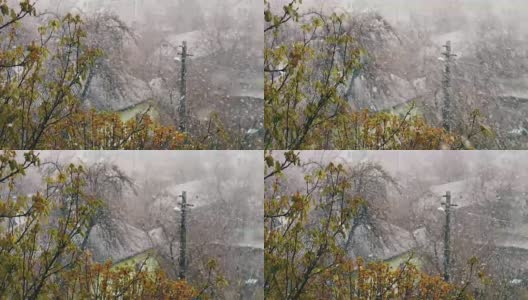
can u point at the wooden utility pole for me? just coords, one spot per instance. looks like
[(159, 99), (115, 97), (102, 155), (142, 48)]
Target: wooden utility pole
[(447, 113), (447, 229), (183, 89), (183, 235)]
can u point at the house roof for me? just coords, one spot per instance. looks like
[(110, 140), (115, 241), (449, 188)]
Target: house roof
[(461, 194), (169, 197), (514, 87), (197, 195), (381, 243), (195, 43), (123, 241)]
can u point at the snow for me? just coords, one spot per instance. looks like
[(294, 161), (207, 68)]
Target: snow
[(519, 131), (252, 131)]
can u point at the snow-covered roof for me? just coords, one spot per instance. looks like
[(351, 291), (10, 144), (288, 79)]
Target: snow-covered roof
[(125, 241), (516, 237), (250, 85), (514, 87), (199, 193), (136, 92), (170, 196), (156, 236), (249, 237), (458, 41), (386, 242), (195, 43), (461, 194)]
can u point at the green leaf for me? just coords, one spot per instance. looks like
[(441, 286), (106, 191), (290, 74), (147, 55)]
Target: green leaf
[(4, 9)]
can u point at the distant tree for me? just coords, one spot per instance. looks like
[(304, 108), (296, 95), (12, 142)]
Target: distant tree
[(109, 183), (106, 31)]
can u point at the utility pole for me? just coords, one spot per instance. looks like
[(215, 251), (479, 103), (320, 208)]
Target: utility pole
[(447, 113), (183, 235), (447, 250), (183, 88)]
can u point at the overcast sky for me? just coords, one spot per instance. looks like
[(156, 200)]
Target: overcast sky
[(514, 11), (165, 164), (420, 6), (428, 163)]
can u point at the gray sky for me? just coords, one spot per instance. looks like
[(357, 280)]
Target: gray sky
[(405, 7), (512, 11), (429, 163), (165, 164)]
